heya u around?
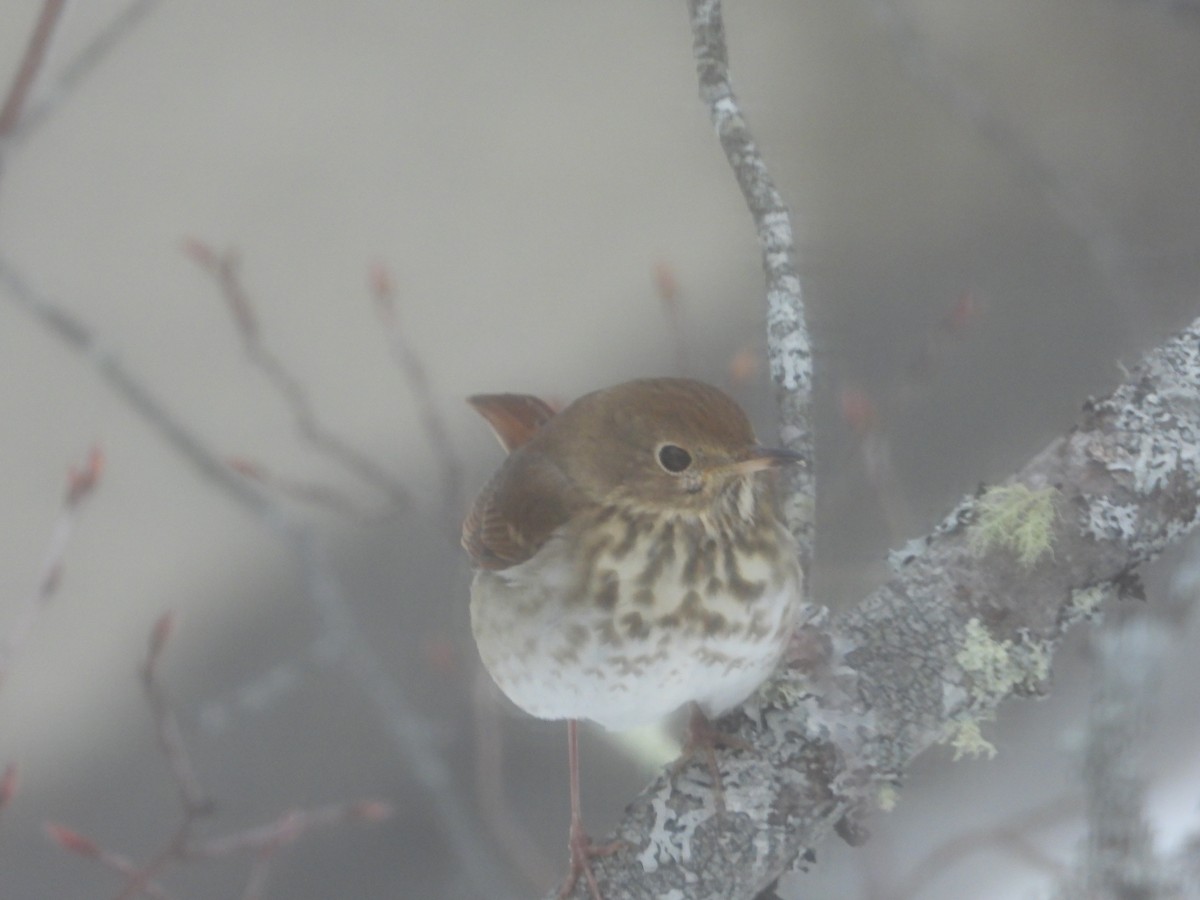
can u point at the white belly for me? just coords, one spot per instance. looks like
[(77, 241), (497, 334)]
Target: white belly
[(557, 657)]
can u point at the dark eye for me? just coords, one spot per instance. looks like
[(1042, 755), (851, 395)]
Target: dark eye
[(673, 459)]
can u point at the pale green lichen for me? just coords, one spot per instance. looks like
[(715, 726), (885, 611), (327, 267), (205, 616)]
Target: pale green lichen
[(887, 797), (1016, 519), (996, 667), (967, 740)]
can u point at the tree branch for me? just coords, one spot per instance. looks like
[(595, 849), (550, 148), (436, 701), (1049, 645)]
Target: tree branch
[(789, 352), (31, 62), (962, 625)]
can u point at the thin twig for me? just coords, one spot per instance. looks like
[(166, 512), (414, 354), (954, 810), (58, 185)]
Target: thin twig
[(412, 367), (192, 795), (80, 67), (263, 842), (789, 350), (223, 269), (932, 69), (81, 845), (288, 828), (342, 637), (80, 485), (666, 285), (31, 63), (8, 785), (507, 830), (311, 493)]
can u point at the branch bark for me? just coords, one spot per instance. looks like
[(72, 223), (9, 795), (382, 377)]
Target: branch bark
[(926, 658), (967, 620), (789, 351)]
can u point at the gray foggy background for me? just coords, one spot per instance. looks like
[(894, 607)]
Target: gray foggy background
[(523, 169)]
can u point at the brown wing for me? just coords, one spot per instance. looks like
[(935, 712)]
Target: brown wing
[(514, 417), (525, 502)]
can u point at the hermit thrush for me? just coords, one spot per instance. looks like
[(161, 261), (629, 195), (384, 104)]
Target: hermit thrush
[(630, 560)]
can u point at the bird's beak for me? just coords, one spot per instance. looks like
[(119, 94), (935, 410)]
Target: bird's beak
[(756, 459)]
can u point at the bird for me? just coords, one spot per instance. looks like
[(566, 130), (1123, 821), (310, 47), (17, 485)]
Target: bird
[(630, 559)]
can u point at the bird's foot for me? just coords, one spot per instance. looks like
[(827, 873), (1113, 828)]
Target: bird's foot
[(702, 739), (582, 853)]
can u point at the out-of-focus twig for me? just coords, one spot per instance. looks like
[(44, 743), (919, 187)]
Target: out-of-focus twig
[(308, 492), (81, 483), (789, 350), (79, 67), (666, 285), (263, 842), (412, 367), (82, 845), (8, 785), (192, 796), (342, 637), (509, 832), (31, 62), (223, 269), (931, 68)]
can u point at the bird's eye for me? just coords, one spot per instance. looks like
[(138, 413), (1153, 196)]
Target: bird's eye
[(674, 459)]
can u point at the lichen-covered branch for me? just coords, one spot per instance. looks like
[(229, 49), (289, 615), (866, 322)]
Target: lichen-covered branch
[(961, 626), (788, 349)]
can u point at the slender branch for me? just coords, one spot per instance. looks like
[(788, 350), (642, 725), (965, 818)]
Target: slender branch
[(80, 484), (192, 795), (80, 67), (961, 626), (1059, 186), (8, 785), (666, 285), (789, 351), (223, 269), (31, 63), (342, 637), (264, 842), (432, 423)]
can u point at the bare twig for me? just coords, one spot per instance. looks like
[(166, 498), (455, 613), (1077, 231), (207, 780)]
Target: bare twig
[(666, 285), (80, 484), (288, 828), (8, 785), (81, 845), (223, 269), (81, 66), (31, 62), (263, 842), (941, 77), (342, 638), (318, 495), (507, 830), (789, 350), (432, 423), (192, 796)]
